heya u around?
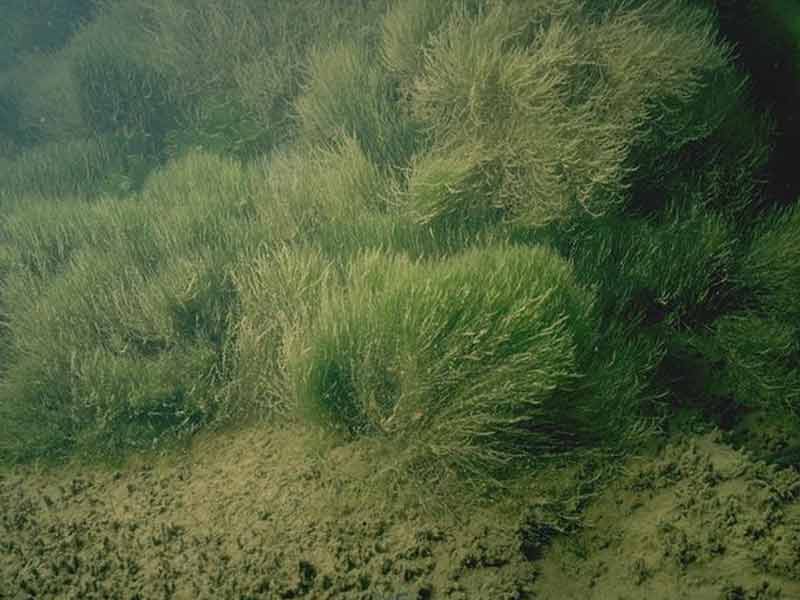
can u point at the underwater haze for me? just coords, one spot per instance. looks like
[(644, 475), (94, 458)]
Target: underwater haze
[(399, 299)]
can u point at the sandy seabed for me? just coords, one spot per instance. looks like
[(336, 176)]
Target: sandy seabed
[(261, 513)]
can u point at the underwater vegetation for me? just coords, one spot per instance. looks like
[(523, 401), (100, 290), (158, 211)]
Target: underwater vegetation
[(767, 35), (485, 232)]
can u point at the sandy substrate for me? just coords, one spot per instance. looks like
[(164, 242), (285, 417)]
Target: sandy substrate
[(273, 514), (700, 522)]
